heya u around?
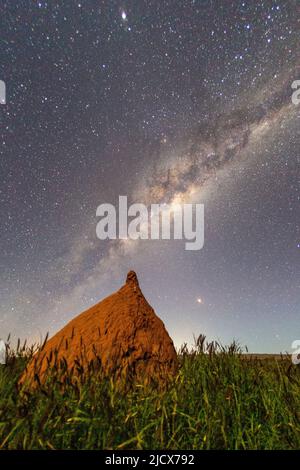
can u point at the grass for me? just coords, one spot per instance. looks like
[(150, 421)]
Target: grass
[(218, 400)]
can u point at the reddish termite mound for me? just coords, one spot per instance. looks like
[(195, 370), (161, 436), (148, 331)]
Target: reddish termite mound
[(121, 333)]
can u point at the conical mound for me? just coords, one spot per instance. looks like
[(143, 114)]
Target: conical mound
[(122, 334)]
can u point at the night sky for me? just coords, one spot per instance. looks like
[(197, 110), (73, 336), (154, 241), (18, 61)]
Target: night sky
[(160, 101)]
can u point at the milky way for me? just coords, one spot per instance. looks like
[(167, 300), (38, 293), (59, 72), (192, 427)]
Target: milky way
[(164, 102), (219, 142)]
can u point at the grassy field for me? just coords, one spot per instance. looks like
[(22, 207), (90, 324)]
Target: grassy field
[(219, 400)]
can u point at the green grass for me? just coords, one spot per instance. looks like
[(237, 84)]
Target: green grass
[(219, 400)]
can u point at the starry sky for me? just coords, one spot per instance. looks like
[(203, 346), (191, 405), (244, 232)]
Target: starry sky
[(161, 101)]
